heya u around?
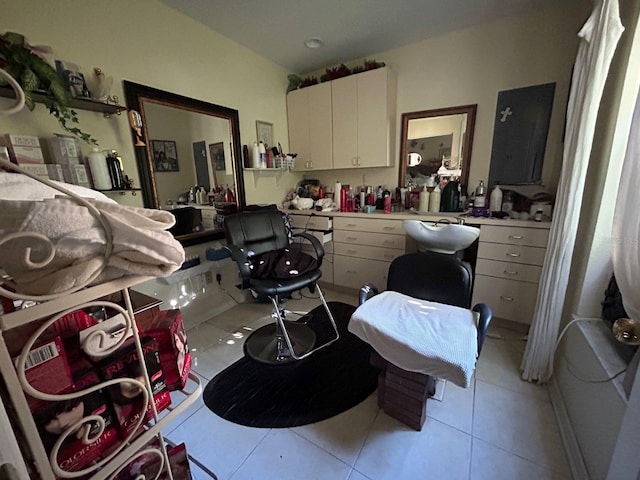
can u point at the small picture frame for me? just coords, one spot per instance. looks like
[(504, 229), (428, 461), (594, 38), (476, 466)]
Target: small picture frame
[(265, 133), (216, 151), (165, 156)]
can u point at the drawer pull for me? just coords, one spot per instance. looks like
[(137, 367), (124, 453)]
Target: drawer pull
[(352, 224), (389, 242), (510, 272), (353, 239), (351, 252), (516, 237), (506, 299), (513, 254), (351, 271), (389, 229), (388, 255)]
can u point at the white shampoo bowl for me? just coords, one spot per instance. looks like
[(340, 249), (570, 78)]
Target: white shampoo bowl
[(441, 237)]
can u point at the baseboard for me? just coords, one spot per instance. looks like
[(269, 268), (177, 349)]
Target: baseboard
[(571, 446)]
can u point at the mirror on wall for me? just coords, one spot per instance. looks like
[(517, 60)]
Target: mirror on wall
[(188, 143), (438, 142)]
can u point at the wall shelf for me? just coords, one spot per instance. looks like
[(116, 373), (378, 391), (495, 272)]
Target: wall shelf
[(107, 109), (122, 191), (269, 172)]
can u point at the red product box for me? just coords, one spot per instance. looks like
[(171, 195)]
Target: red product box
[(126, 398), (47, 370), (148, 464), (167, 328), (54, 418)]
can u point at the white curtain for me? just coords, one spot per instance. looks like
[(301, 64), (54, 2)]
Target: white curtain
[(626, 223), (598, 39)]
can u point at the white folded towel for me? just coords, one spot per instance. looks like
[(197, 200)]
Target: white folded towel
[(419, 336), (141, 244)]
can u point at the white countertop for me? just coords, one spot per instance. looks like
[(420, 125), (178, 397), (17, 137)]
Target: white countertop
[(408, 215)]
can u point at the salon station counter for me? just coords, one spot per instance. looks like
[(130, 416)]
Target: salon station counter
[(507, 259)]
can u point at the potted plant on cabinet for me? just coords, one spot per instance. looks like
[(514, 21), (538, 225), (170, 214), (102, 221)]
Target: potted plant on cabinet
[(35, 75)]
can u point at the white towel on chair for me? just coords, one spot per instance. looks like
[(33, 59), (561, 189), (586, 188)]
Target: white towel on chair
[(419, 336)]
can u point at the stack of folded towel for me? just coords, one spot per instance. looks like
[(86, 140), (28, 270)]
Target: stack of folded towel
[(141, 244)]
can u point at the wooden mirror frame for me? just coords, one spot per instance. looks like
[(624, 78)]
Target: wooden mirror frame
[(470, 110), (136, 93)]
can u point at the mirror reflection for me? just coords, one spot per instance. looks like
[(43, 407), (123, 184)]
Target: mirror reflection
[(190, 151), (190, 156), (436, 142)]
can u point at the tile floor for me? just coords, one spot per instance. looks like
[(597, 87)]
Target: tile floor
[(498, 428)]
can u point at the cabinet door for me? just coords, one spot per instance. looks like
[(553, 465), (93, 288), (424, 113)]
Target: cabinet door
[(298, 120), (320, 129), (373, 119), (344, 102)]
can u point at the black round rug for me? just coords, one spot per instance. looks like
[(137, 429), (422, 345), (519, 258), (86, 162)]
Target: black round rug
[(327, 383)]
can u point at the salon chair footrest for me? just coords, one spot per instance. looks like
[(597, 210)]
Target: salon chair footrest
[(401, 394)]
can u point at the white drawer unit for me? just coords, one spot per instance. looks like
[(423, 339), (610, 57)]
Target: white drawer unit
[(311, 222), (354, 272), (369, 225), (508, 269), (364, 248), (533, 237)]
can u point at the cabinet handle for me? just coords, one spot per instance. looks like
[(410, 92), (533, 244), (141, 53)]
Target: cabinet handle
[(389, 242), (352, 238), (388, 255), (352, 224), (506, 299), (351, 271), (354, 161), (358, 161), (510, 272), (352, 252), (389, 229), (513, 254), (516, 237)]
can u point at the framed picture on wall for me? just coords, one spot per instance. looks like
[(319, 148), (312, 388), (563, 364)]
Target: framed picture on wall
[(216, 151), (265, 133), (165, 156)]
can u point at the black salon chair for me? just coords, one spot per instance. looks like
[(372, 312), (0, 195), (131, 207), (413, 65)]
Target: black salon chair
[(273, 267), (435, 277)]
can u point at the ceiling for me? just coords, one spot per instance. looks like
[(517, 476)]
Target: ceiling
[(350, 29)]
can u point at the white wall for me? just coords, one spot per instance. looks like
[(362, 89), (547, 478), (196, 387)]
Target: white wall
[(149, 43), (470, 67)]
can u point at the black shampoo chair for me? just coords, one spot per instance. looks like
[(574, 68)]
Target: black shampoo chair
[(260, 243), (435, 277)]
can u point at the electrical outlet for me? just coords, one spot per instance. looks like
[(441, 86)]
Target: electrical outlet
[(219, 278)]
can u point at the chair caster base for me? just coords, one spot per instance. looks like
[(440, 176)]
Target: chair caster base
[(262, 345)]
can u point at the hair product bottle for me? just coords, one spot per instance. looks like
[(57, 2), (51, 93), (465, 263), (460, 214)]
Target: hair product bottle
[(434, 199)]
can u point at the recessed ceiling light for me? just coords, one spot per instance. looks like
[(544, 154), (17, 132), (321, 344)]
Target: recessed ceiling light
[(314, 43)]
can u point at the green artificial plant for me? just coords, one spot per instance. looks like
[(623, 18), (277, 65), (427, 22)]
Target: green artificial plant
[(35, 75)]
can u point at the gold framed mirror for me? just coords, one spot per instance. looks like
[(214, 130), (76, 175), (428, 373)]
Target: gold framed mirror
[(437, 141)]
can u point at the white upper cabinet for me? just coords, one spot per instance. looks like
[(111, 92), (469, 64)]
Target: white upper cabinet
[(310, 130), (345, 123), (363, 119)]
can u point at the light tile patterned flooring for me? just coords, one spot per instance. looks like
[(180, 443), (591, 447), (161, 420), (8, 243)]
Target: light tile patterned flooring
[(499, 428)]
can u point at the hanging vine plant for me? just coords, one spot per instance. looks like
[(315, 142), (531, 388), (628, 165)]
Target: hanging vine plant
[(35, 75)]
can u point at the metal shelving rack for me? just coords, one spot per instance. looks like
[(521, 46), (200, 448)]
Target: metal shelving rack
[(47, 309)]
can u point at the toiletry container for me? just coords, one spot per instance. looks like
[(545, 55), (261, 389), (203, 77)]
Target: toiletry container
[(337, 190), (480, 200), (424, 200), (495, 200), (255, 156), (99, 170), (263, 155), (450, 197), (507, 202), (434, 199)]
